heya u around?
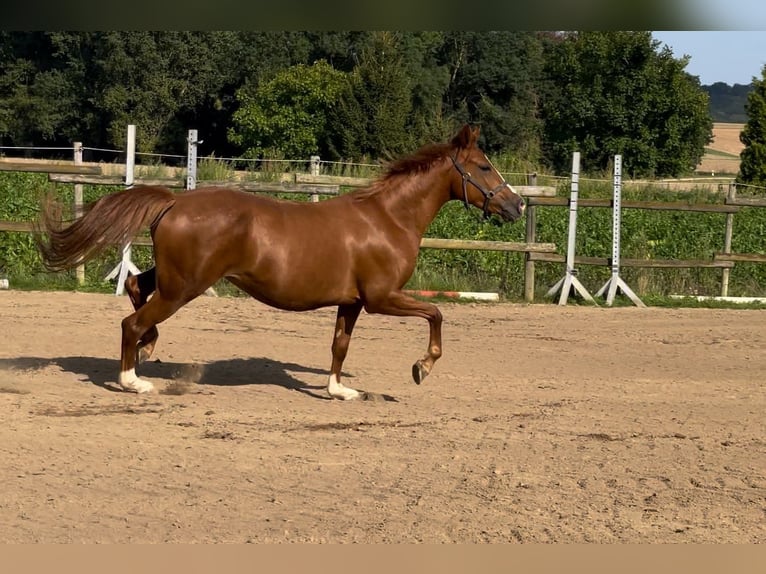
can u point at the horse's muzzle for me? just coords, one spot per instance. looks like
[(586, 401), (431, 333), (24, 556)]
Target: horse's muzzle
[(510, 213)]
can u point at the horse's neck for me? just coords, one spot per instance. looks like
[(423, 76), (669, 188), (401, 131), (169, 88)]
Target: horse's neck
[(417, 199)]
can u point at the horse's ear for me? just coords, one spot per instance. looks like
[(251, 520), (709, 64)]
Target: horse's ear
[(475, 134), (466, 137)]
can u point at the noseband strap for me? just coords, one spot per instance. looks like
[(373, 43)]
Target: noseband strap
[(468, 178)]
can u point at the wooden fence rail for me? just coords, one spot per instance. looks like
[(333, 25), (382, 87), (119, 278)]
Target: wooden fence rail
[(719, 263), (6, 165), (179, 183), (650, 205)]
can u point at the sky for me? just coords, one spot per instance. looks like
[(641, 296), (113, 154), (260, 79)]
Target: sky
[(732, 57), (725, 14), (733, 51)]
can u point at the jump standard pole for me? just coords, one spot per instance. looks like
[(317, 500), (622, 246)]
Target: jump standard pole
[(616, 282), (570, 279)]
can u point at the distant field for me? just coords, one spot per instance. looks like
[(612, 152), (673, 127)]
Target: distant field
[(722, 155)]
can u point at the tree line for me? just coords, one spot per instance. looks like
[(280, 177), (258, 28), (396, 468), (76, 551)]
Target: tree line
[(354, 95), (727, 103)]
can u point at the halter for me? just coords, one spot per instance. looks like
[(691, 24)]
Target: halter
[(468, 178)]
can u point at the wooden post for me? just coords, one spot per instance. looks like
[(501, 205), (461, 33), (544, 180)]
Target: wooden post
[(531, 232), (730, 196), (314, 172), (78, 203)]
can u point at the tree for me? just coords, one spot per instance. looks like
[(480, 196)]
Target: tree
[(149, 78), (727, 103), (63, 86), (429, 77), (372, 118), (494, 82), (752, 168), (610, 93), (38, 96), (288, 114)]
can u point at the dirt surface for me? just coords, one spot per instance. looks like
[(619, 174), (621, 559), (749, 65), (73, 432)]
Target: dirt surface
[(539, 424), (726, 138)]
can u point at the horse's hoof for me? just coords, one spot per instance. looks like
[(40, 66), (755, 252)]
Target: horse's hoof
[(419, 372)]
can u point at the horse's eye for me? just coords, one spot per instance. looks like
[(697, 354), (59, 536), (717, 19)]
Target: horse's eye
[(484, 167)]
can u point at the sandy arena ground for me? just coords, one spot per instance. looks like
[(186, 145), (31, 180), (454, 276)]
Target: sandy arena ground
[(539, 424)]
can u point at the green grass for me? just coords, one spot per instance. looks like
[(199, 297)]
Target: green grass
[(719, 153)]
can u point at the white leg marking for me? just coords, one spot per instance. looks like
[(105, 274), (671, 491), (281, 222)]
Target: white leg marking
[(337, 390), (130, 382)]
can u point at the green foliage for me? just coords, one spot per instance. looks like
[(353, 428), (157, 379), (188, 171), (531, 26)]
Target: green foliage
[(535, 95), (646, 234), (37, 98), (727, 103), (495, 83), (617, 93), (214, 169), (19, 200), (374, 107), (288, 114), (357, 95), (752, 168)]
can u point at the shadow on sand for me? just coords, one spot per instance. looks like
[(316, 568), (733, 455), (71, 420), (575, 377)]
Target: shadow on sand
[(231, 372)]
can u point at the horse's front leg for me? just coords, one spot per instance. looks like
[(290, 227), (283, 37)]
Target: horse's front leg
[(344, 326), (399, 304)]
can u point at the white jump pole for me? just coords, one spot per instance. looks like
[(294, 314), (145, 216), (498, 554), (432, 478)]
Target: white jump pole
[(191, 174), (615, 281), (121, 269), (570, 278)]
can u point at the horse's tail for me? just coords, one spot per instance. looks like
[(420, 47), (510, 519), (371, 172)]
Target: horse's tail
[(111, 220)]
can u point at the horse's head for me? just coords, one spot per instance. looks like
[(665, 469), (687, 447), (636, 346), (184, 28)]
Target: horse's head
[(478, 183)]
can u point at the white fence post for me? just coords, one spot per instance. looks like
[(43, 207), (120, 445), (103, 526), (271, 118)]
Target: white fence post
[(121, 269), (191, 174), (191, 160)]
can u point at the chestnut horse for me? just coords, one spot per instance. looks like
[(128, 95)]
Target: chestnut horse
[(355, 251)]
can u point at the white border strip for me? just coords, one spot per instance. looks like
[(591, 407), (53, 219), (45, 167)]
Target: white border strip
[(723, 299), (455, 294)]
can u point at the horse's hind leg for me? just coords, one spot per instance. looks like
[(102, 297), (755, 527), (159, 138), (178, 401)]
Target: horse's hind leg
[(134, 328), (139, 288)]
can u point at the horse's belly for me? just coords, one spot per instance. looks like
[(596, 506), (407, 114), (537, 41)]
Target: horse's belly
[(300, 293)]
